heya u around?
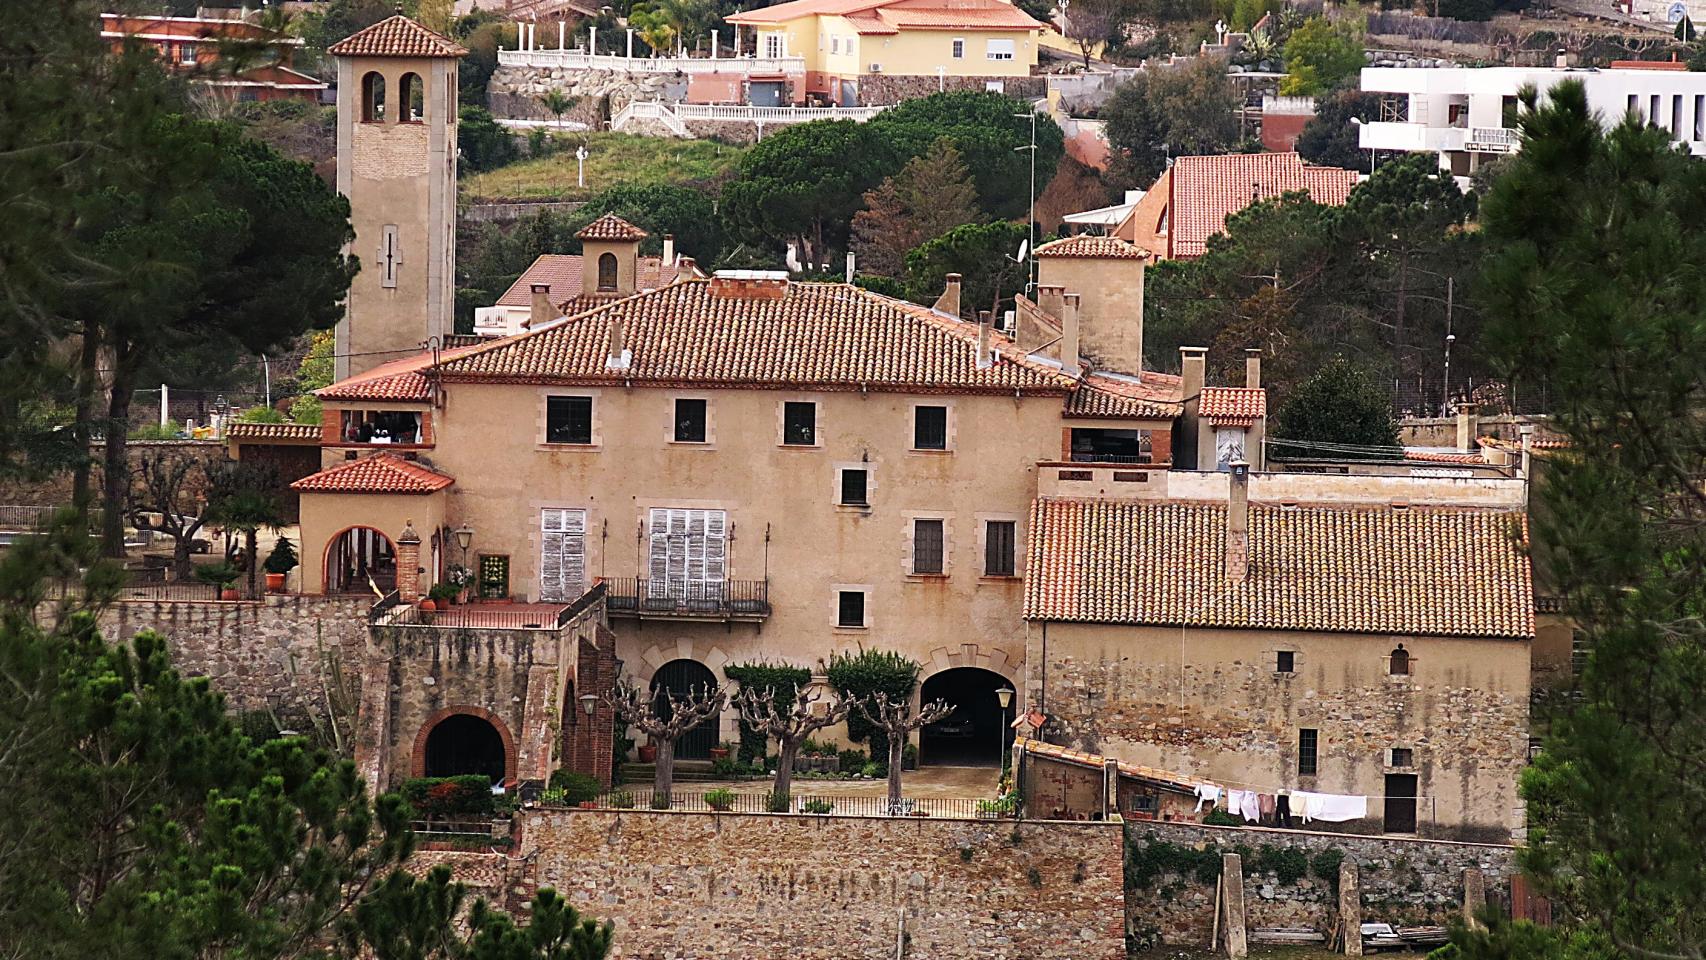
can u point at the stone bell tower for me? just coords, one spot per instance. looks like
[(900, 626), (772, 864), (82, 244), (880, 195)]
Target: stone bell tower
[(397, 165)]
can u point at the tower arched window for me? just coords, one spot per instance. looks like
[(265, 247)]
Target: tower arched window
[(607, 271), (412, 97), (1398, 665), (373, 97)]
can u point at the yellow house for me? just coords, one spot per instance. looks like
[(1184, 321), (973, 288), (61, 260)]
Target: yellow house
[(883, 51)]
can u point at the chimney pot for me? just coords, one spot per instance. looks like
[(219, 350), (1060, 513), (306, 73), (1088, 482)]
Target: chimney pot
[(1253, 367), (1238, 522), (1069, 362), (540, 310)]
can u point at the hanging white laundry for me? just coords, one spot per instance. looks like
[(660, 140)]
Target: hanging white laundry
[(1250, 805), (1234, 801), (1331, 807), (1206, 793)]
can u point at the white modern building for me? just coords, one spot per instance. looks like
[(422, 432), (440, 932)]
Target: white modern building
[(1467, 115)]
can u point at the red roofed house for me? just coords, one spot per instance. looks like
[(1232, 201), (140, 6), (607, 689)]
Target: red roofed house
[(1190, 201), (883, 51), (188, 44)]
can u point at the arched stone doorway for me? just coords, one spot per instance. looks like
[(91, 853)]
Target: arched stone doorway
[(458, 741), (976, 733), (677, 678), (359, 554)]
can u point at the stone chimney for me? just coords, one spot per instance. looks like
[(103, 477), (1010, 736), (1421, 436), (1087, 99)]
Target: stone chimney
[(616, 356), (408, 563), (1468, 426), (668, 251), (1238, 523), (1526, 433), (1253, 368), (1051, 298), (1069, 362), (1192, 364), (686, 268), (949, 301), (540, 311), (984, 359)]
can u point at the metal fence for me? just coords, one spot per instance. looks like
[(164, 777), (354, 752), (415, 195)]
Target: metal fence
[(678, 598), (480, 617), (170, 590), (798, 804)]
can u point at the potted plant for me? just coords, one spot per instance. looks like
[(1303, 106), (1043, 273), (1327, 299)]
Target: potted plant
[(280, 561), (460, 578), (648, 753), (721, 750), (222, 575), (721, 798)]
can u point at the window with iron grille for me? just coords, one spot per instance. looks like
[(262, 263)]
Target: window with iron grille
[(1285, 661), (930, 428), (999, 548), (799, 423), (927, 546), (850, 608), (855, 487), (689, 421), (1403, 757), (1308, 741), (568, 419)]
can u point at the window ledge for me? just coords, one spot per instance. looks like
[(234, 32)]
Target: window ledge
[(1285, 674), (929, 451), (700, 444), (926, 577), (555, 447), (854, 507), (800, 446), (850, 629), (1000, 577)]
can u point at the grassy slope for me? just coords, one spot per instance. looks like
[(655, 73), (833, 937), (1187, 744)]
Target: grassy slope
[(614, 158)]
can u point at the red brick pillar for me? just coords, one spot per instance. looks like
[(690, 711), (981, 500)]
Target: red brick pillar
[(408, 563), (589, 740)]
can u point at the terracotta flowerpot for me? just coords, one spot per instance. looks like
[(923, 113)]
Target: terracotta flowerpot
[(229, 593), (589, 804), (428, 605), (648, 754), (719, 753), (275, 583)]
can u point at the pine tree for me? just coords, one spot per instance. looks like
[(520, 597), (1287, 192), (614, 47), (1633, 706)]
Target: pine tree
[(1338, 413), (1596, 282), (929, 196)]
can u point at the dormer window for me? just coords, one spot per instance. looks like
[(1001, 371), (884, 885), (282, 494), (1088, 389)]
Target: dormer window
[(606, 272)]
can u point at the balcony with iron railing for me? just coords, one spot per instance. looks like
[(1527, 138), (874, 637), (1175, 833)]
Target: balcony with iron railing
[(727, 600)]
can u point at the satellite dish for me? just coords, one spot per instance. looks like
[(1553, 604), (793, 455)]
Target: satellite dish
[(1024, 248)]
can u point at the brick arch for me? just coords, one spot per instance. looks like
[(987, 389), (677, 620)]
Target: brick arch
[(417, 758)]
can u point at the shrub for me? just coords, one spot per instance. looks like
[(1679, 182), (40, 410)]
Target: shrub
[(219, 574), (260, 414), (1221, 818), (1001, 806), (576, 787), (621, 800), (853, 761), (784, 679), (816, 805), (467, 795), (660, 801), (1288, 864), (282, 559), (721, 798), (859, 675), (965, 854), (727, 767), (1325, 866), (872, 770)]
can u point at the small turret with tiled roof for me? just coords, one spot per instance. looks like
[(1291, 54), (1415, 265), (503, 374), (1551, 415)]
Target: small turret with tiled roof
[(610, 227), (397, 36)]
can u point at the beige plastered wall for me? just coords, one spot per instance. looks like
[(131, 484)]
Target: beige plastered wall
[(1210, 703), (327, 515), (1144, 225), (1110, 310), (921, 52)]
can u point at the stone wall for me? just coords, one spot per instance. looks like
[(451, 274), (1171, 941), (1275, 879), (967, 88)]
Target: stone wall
[(515, 91), (758, 885), (883, 89), (1401, 880)]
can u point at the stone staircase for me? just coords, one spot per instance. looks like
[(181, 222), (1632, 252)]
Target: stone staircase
[(686, 771)]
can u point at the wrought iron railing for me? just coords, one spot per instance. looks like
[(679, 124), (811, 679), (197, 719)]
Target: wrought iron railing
[(169, 590), (640, 596), (966, 808), (378, 611)]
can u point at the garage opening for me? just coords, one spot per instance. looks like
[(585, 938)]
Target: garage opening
[(465, 744), (976, 733)]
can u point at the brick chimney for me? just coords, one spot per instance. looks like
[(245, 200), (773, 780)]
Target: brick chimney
[(409, 563), (984, 359), (616, 356), (1253, 367), (668, 251), (1069, 362), (749, 285), (1238, 523), (1468, 426), (949, 301), (540, 310)]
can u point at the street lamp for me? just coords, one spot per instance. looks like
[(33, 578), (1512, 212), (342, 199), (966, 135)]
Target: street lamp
[(588, 702), (1359, 123), (1004, 697), (464, 537)]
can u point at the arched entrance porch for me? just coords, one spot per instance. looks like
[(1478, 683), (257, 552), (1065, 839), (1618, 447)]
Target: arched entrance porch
[(976, 733), (357, 555)]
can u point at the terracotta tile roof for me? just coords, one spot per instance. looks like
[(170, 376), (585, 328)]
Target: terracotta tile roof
[(397, 36), (1109, 248), (399, 380), (1233, 406), (1413, 571), (611, 227), (1539, 442), (1206, 190), (563, 273), (824, 335), (1153, 396), (273, 432), (1167, 778), (1440, 456), (380, 473), (890, 16)]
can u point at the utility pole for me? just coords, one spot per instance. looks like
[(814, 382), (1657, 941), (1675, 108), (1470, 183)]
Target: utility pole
[(1445, 399), (1031, 211)]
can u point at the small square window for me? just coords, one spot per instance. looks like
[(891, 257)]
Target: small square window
[(999, 547), (850, 608), (1285, 661), (927, 538), (689, 421), (930, 428), (799, 423), (959, 48), (187, 53), (1403, 757), (855, 487), (1308, 743), (568, 420)]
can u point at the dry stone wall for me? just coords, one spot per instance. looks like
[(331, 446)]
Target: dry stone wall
[(1290, 878), (515, 91), (883, 89), (705, 885)]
